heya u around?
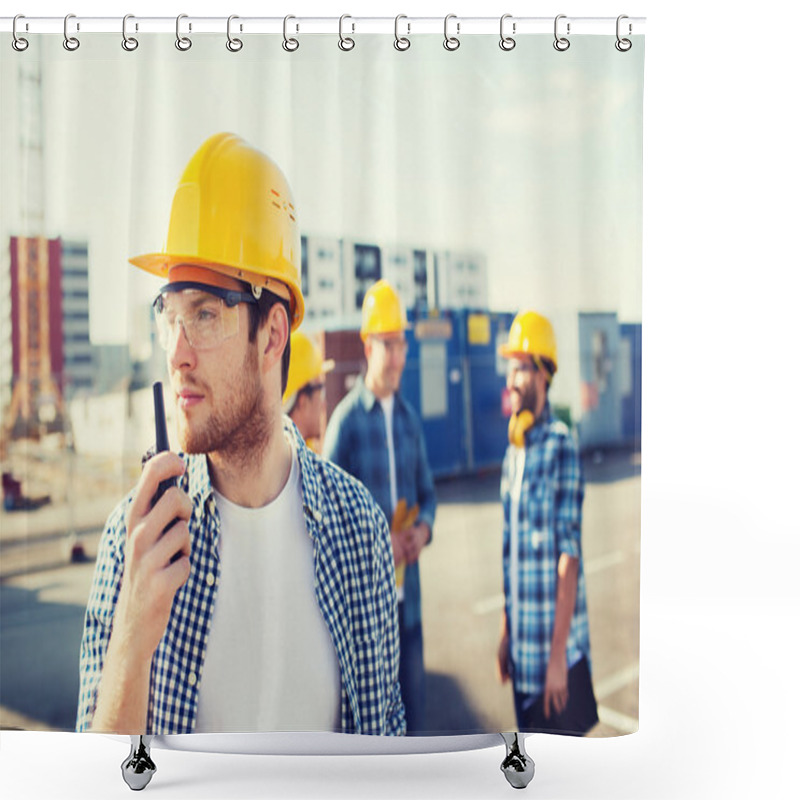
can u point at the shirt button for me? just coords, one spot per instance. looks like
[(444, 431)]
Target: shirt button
[(210, 579), (192, 679)]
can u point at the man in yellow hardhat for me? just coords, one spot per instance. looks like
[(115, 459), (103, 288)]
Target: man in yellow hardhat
[(304, 396), (257, 594), (544, 641), (377, 436)]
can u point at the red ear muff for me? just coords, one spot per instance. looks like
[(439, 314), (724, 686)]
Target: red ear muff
[(518, 426)]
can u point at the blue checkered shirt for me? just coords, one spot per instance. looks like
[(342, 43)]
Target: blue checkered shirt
[(355, 439), (549, 524), (354, 573)]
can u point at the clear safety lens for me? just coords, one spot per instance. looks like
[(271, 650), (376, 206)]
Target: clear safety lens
[(206, 319)]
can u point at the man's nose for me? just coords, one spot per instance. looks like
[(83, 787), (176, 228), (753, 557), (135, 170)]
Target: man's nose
[(180, 353)]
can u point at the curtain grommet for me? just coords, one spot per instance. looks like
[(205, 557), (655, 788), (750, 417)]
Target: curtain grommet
[(623, 45), (19, 43), (233, 44), (183, 43), (561, 43), (451, 43), (507, 43), (346, 43), (129, 43), (71, 43), (289, 44), (401, 43)]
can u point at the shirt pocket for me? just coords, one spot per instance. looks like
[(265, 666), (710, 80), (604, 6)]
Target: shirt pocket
[(541, 497)]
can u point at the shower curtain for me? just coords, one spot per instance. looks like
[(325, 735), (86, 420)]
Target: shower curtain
[(483, 184)]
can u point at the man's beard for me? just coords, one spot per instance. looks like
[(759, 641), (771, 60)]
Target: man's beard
[(527, 400), (240, 431)]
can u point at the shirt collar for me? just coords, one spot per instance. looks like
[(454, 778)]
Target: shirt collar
[(540, 423), (368, 399), (199, 480), (309, 478)]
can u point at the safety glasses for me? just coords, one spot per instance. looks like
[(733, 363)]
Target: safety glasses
[(208, 316), (521, 365)]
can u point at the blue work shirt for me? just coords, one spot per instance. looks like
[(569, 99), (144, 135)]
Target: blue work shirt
[(355, 439), (355, 590)]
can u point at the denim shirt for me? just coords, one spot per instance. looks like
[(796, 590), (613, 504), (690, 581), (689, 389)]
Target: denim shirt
[(354, 577), (356, 440)]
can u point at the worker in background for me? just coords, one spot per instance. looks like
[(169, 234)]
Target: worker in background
[(304, 398), (376, 436), (544, 642), (269, 604)]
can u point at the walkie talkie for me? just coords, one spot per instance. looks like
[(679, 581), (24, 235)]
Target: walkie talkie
[(162, 444), (162, 440)]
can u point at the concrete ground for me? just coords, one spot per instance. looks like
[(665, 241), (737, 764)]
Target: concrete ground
[(43, 597)]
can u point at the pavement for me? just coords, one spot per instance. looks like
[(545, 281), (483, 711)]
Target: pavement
[(43, 597)]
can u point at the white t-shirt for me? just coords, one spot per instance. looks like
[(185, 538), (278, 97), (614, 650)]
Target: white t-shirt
[(387, 404), (270, 662), (518, 467)]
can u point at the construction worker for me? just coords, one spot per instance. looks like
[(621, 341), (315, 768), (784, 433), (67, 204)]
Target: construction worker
[(304, 397), (269, 604), (544, 642), (377, 436)]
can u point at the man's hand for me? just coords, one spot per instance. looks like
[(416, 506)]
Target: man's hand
[(398, 548), (555, 684), (149, 583), (414, 539), (503, 671)]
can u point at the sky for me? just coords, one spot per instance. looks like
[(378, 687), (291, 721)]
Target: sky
[(531, 158)]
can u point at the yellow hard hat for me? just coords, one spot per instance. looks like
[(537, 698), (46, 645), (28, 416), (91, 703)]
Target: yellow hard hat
[(305, 364), (382, 311), (233, 213), (531, 334)]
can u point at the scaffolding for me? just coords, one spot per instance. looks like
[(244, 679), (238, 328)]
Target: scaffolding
[(36, 405)]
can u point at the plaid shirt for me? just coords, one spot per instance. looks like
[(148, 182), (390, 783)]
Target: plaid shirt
[(549, 524), (355, 439), (354, 573)]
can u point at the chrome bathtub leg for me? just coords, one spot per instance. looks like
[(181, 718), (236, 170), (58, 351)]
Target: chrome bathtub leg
[(517, 766), (138, 768)]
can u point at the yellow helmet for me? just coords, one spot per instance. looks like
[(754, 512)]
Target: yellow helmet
[(305, 364), (382, 311), (531, 334), (233, 213)]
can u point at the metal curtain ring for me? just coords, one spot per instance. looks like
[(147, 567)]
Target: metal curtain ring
[(561, 43), (345, 42), (623, 45), (19, 43), (234, 45), (129, 43), (401, 42), (71, 43), (507, 42), (451, 42), (290, 45), (182, 42)]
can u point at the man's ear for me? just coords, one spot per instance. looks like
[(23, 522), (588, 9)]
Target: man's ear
[(274, 334)]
